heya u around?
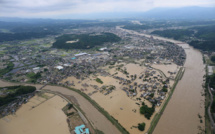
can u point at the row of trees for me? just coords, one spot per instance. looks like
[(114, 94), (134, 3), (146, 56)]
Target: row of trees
[(99, 80)]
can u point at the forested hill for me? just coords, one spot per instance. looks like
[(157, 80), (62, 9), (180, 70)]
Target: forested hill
[(39, 28), (84, 41), (207, 36), (201, 37)]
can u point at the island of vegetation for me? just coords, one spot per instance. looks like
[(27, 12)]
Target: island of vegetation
[(141, 126), (84, 41), (146, 111), (99, 81)]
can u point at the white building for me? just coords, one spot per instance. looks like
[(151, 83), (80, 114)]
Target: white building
[(59, 67), (80, 54)]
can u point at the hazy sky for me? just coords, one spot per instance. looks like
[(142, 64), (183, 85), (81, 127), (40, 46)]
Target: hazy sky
[(50, 8)]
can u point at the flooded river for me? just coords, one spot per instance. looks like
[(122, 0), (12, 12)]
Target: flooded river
[(181, 115)]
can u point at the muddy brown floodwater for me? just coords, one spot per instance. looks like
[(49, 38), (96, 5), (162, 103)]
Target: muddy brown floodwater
[(45, 118), (181, 115), (98, 120)]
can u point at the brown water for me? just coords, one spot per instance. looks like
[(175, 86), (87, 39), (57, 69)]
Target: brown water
[(98, 120), (117, 103), (181, 113), (47, 118)]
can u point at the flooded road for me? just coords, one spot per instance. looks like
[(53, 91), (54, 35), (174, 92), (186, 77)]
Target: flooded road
[(181, 115)]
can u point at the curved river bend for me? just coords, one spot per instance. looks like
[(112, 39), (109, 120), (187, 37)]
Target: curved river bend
[(187, 102), (181, 115)]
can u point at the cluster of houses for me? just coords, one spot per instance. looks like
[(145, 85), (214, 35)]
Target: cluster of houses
[(107, 89), (55, 65), (150, 87), (12, 107)]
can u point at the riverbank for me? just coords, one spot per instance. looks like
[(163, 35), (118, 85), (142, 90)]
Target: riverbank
[(187, 102), (124, 107)]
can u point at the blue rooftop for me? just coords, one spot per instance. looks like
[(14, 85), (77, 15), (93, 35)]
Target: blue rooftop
[(80, 129), (87, 131)]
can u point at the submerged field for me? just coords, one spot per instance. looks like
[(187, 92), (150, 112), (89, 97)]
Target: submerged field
[(41, 115), (117, 103)]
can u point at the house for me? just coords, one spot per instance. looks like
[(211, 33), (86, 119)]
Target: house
[(80, 54), (59, 67), (36, 69), (103, 49)]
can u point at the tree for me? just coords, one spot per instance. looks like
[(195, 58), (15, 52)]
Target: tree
[(99, 80), (146, 111), (213, 58), (141, 126), (164, 89), (151, 95)]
